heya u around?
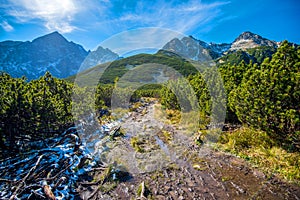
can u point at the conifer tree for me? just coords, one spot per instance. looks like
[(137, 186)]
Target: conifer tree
[(268, 96)]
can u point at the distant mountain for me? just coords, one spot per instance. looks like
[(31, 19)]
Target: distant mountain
[(191, 48), (99, 56), (51, 52), (63, 58), (249, 40), (198, 50)]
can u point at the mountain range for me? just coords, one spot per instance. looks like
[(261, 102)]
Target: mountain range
[(191, 48), (62, 58)]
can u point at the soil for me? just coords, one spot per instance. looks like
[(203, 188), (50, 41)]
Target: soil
[(165, 163)]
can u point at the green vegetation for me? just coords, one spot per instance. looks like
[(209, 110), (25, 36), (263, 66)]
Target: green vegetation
[(268, 95), (265, 97), (165, 136), (195, 94), (262, 151), (34, 110), (261, 92), (143, 191), (119, 67), (254, 55), (43, 108), (136, 144)]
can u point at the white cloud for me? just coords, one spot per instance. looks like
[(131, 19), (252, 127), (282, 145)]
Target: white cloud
[(55, 14), (103, 18), (6, 26)]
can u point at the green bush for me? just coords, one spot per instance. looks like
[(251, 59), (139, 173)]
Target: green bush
[(268, 96)]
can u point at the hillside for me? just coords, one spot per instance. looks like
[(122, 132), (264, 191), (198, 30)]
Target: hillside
[(110, 71), (185, 66)]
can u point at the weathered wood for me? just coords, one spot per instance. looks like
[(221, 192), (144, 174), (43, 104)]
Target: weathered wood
[(48, 192), (142, 190), (25, 177)]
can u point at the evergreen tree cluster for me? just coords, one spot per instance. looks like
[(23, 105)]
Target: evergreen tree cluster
[(263, 95), (33, 110), (267, 95), (43, 108)]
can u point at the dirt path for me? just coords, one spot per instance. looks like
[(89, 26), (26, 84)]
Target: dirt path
[(171, 167)]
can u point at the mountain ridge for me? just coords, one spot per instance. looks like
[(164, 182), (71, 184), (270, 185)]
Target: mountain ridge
[(51, 52), (62, 58), (199, 50)]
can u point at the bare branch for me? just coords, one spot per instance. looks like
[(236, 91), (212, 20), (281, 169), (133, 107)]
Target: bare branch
[(24, 179)]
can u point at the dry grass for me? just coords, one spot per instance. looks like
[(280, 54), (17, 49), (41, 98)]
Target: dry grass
[(263, 152)]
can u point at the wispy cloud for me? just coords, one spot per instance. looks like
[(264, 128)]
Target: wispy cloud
[(183, 17), (6, 26), (54, 14), (108, 17)]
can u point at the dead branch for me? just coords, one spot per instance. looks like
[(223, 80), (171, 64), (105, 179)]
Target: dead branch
[(142, 190), (99, 168), (6, 180), (93, 193), (62, 179), (48, 192), (24, 179), (90, 183), (59, 173)]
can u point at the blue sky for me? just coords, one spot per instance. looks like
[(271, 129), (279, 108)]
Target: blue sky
[(90, 22)]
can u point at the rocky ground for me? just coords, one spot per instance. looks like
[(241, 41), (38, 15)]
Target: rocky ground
[(156, 160)]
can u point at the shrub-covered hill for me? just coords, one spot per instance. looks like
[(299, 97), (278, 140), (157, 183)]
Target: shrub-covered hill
[(110, 71)]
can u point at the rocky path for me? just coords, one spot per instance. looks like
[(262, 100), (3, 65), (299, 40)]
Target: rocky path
[(163, 163)]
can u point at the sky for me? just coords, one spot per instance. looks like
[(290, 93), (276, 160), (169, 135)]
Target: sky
[(92, 22)]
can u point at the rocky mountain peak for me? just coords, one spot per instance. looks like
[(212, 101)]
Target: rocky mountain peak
[(194, 49), (54, 37), (99, 56), (189, 47), (51, 52), (248, 40), (247, 35)]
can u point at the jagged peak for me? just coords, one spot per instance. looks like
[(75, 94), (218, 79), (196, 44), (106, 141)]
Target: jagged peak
[(104, 50), (100, 48), (54, 36), (247, 35), (192, 37), (248, 40)]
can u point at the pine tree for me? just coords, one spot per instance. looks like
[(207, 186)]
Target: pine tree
[(268, 96)]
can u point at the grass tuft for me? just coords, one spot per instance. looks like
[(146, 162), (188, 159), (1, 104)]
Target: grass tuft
[(262, 151)]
